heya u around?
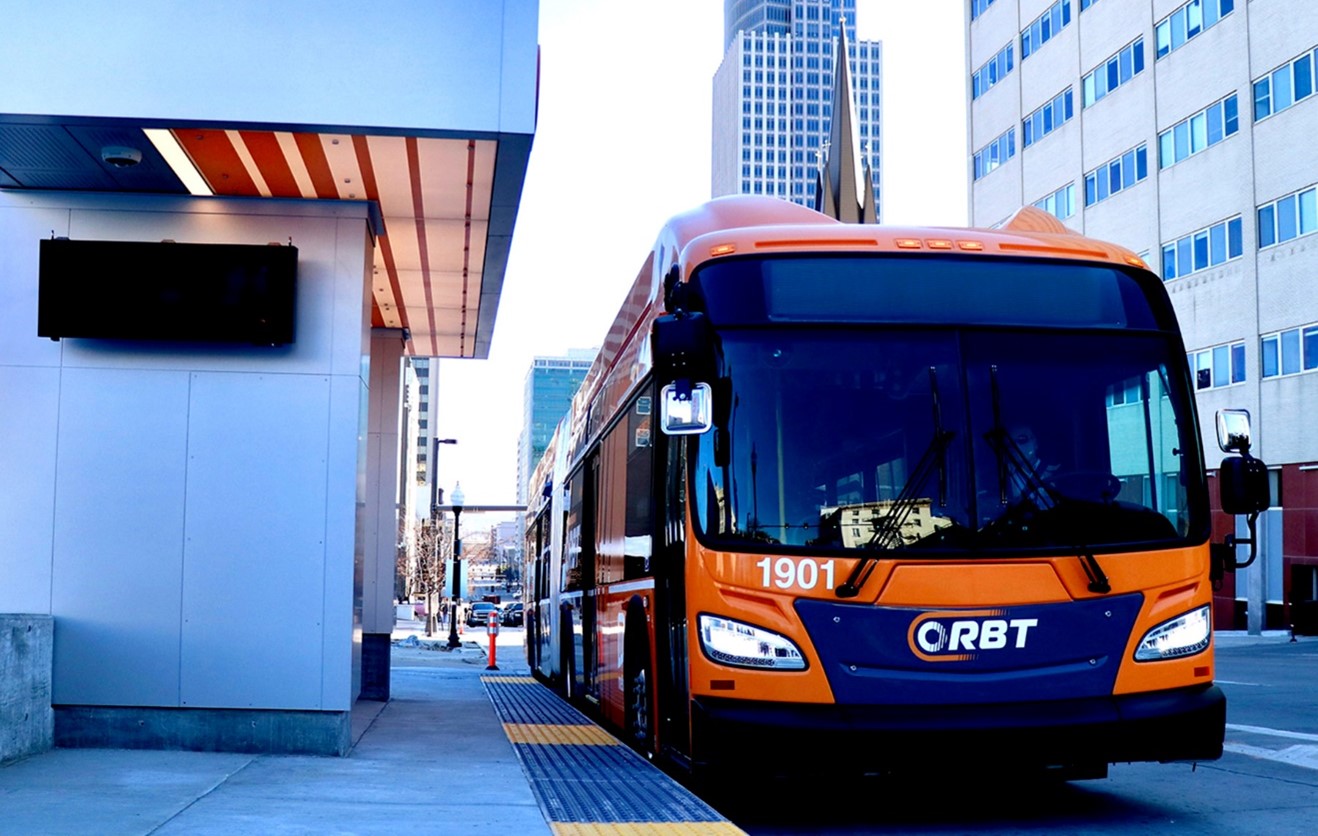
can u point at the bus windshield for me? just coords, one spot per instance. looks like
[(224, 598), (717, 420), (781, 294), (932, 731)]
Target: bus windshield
[(934, 438)]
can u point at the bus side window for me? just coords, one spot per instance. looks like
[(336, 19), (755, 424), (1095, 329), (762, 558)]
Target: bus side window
[(572, 533), (637, 543)]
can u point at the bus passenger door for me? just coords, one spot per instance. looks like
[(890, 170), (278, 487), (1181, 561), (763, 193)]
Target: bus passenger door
[(577, 617), (669, 567), (589, 666)]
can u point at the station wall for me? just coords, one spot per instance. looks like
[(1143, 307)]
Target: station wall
[(189, 513)]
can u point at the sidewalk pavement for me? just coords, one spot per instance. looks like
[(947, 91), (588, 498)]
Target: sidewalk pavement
[(1242, 638), (433, 760)]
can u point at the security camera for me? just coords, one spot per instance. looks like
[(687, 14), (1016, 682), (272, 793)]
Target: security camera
[(121, 156)]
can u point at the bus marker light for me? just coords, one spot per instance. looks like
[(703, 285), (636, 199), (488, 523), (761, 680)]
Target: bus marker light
[(971, 245), (908, 243), (723, 249), (938, 243), (1201, 670), (723, 685), (1136, 261)]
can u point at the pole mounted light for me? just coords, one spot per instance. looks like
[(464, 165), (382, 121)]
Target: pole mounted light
[(456, 501), (436, 497)]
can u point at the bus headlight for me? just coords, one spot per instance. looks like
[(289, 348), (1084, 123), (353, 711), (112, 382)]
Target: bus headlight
[(1183, 636), (740, 645)]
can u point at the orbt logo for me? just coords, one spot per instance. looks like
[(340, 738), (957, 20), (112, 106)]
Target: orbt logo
[(959, 636)]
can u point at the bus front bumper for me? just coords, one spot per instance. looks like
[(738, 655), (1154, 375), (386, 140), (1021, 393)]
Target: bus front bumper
[(1185, 724)]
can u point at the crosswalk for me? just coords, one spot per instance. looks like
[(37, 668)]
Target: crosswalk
[(1289, 747)]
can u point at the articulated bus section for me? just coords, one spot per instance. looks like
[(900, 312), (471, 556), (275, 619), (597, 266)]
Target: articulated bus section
[(868, 498)]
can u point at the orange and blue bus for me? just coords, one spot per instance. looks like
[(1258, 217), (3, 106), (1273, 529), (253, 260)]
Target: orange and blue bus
[(870, 498)]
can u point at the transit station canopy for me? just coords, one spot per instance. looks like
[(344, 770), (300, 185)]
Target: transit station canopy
[(426, 110)]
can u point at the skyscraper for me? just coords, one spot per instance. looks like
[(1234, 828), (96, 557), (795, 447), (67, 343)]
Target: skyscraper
[(426, 372), (773, 96), (1181, 129), (550, 384)]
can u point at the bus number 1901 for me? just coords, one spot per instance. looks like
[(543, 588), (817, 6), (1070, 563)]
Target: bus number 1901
[(786, 573)]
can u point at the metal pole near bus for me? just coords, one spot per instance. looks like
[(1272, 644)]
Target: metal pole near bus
[(456, 502), (436, 498)]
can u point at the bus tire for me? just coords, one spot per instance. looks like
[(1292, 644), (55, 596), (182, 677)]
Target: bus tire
[(638, 680)]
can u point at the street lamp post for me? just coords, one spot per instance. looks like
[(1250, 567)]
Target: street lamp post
[(435, 495), (456, 502), (436, 498)]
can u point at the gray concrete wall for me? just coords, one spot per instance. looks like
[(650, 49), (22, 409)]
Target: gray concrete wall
[(26, 659), (257, 732)]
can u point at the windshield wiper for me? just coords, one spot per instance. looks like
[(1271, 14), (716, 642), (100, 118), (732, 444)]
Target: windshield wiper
[(888, 529), (1036, 490)]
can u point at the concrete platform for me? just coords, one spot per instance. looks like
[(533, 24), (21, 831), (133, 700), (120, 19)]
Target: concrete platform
[(437, 758)]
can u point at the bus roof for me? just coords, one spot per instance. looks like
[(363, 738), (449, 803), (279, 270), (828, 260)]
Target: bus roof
[(744, 224), (741, 224)]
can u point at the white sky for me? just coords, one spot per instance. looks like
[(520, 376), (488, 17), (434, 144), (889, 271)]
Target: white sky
[(622, 144)]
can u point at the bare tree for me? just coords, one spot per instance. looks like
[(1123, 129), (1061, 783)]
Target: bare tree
[(430, 570), (403, 576)]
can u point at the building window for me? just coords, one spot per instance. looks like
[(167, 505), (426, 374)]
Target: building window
[(1202, 130), (1045, 27), (1084, 4), (995, 153), (1284, 86), (1288, 217), (1117, 174), (1290, 352), (978, 7), (993, 71), (1060, 204), (1219, 366), (1047, 119), (1202, 249), (1128, 391), (1189, 20), (1114, 72)]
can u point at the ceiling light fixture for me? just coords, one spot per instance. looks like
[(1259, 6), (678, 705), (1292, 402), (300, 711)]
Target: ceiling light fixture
[(178, 159)]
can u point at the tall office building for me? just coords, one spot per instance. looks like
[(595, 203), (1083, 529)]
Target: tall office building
[(773, 96), (550, 384), (1182, 130), (425, 370)]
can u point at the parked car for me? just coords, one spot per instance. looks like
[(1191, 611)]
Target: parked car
[(479, 613), (512, 615)]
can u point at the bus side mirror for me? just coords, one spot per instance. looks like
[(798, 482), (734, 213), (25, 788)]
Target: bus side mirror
[(685, 413), (1242, 480), (683, 355), (1233, 434), (1242, 483)]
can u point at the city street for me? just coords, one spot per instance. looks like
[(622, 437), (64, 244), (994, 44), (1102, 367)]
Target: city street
[(1266, 782)]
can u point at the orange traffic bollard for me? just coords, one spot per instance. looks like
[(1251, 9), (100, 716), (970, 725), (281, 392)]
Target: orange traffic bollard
[(492, 630)]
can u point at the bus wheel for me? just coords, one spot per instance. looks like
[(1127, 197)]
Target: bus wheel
[(640, 722)]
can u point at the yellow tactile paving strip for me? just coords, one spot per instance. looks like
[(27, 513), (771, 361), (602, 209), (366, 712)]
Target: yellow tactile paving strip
[(556, 734), (587, 782)]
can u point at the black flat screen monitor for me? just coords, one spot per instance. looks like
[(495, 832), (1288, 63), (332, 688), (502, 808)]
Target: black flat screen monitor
[(129, 290)]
